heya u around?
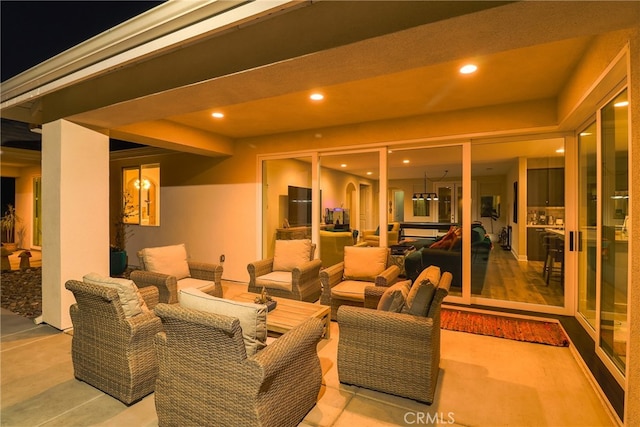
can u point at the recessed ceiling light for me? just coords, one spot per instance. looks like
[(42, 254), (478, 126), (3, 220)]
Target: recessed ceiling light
[(217, 115), (621, 104), (406, 161), (316, 97), (560, 150), (344, 165), (585, 133), (468, 69), (369, 173)]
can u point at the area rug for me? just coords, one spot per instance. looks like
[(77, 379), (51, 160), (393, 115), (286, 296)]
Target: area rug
[(512, 328)]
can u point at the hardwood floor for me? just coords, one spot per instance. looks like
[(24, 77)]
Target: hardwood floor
[(509, 279)]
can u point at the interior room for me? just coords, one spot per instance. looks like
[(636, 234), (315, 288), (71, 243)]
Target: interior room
[(516, 177)]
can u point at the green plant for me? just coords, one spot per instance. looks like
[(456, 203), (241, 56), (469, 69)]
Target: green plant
[(122, 231), (8, 222)]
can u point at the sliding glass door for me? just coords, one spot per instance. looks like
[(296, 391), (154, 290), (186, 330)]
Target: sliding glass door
[(518, 202), (587, 223), (286, 201), (614, 230)]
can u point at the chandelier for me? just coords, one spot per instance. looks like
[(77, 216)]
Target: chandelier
[(425, 195)]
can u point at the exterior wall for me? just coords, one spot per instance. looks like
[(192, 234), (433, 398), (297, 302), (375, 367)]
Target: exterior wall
[(75, 168)]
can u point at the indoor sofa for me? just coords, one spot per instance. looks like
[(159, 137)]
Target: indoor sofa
[(446, 253)]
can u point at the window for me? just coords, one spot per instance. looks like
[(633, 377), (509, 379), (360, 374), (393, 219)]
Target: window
[(141, 194)]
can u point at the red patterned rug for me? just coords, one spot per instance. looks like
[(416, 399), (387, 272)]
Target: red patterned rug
[(512, 328)]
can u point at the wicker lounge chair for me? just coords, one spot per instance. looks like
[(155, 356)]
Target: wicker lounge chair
[(339, 288), (110, 351), (391, 352), (291, 273), (206, 378), (180, 273)]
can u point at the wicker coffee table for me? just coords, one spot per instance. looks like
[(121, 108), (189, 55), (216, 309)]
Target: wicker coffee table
[(290, 313)]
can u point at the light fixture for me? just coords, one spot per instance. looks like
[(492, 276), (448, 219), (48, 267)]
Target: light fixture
[(405, 161), (217, 115), (468, 69), (560, 150), (316, 97), (425, 195), (145, 184), (621, 104), (344, 165)]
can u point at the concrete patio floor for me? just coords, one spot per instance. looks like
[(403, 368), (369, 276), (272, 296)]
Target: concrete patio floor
[(484, 381)]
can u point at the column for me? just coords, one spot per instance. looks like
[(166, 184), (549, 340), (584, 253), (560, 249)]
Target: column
[(75, 207)]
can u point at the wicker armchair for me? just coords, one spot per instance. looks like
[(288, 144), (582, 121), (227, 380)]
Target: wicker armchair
[(300, 282), (201, 275), (339, 289), (206, 378), (110, 351), (404, 348)]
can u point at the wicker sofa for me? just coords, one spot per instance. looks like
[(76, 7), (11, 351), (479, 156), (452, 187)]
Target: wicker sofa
[(111, 350), (206, 379), (168, 269), (392, 352)]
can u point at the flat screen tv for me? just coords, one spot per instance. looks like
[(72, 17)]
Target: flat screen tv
[(299, 206)]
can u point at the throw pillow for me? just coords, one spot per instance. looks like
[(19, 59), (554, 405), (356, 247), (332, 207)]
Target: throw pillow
[(171, 260), (130, 299), (290, 254), (252, 317), (364, 262), (431, 273), (419, 298), (393, 299)]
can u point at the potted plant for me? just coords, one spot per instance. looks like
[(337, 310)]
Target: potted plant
[(8, 222), (118, 253)]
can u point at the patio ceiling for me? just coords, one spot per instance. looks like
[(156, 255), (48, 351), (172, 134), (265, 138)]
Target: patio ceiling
[(526, 52)]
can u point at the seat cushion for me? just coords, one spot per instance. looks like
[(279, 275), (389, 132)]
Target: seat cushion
[(364, 263), (252, 317), (290, 254), (394, 298), (352, 290), (276, 280), (203, 285), (171, 260), (130, 298)]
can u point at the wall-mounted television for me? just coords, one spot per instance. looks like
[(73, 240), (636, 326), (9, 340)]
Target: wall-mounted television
[(299, 206)]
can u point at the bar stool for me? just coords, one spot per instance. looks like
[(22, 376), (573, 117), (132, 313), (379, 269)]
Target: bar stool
[(555, 255)]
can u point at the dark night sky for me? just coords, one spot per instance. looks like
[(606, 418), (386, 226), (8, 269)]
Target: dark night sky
[(33, 31)]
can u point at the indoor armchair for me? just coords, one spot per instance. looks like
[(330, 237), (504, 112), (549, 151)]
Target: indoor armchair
[(113, 331), (290, 273), (206, 378), (168, 269), (345, 282), (372, 237), (394, 348)]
